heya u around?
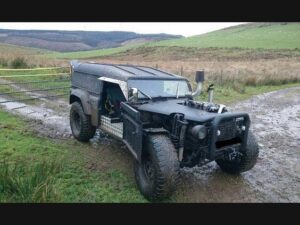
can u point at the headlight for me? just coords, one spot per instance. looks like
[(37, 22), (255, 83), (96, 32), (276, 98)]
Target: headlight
[(199, 131), (240, 124)]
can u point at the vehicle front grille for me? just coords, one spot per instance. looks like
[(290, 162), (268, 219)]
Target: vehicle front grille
[(228, 130)]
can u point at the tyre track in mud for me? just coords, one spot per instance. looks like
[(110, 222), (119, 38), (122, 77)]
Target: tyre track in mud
[(275, 121)]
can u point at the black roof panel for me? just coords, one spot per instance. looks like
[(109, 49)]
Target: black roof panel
[(123, 72)]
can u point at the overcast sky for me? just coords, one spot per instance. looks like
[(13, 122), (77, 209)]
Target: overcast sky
[(185, 29)]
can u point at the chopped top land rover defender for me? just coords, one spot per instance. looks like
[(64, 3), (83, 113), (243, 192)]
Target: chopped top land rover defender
[(154, 113)]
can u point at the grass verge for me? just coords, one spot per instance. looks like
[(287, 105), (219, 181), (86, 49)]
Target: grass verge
[(36, 169), (227, 95)]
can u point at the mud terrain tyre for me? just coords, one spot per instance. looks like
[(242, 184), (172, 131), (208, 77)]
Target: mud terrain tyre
[(81, 126), (247, 161), (157, 174)]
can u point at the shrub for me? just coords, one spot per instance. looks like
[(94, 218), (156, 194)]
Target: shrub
[(3, 62), (18, 63)]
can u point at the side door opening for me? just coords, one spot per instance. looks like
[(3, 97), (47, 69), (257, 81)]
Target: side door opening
[(110, 109)]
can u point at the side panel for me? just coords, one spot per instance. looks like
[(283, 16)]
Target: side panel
[(132, 130), (87, 82), (113, 128), (94, 105), (88, 89)]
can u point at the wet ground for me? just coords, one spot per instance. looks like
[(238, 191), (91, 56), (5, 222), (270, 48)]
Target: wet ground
[(48, 118), (275, 120)]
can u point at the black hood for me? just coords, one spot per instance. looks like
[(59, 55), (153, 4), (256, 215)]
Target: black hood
[(168, 107)]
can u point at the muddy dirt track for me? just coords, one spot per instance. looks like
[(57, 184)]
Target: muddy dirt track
[(275, 120)]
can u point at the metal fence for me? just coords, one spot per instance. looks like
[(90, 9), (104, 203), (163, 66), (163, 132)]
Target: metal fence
[(46, 87), (25, 86)]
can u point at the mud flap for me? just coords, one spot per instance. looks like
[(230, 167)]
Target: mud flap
[(132, 130)]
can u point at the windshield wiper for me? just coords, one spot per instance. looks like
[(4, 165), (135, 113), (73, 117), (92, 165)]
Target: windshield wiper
[(145, 94)]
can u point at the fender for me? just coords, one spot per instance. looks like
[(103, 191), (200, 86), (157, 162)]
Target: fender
[(84, 97), (90, 104)]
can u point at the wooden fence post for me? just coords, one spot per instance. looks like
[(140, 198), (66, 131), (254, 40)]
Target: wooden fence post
[(221, 77)]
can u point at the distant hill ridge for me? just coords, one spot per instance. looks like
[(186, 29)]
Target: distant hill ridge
[(66, 41)]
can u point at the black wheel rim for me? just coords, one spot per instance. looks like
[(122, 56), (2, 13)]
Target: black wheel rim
[(76, 121), (148, 168)]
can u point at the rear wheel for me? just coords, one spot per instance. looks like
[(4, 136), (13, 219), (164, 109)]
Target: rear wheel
[(243, 163), (81, 126), (157, 174)]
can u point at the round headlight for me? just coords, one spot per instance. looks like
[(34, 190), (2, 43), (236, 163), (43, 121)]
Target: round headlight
[(199, 131)]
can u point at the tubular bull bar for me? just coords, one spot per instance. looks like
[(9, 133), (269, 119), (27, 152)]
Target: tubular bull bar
[(214, 130)]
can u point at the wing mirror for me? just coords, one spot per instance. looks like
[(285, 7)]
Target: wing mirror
[(133, 94)]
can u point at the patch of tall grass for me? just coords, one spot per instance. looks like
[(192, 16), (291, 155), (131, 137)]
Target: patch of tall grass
[(239, 81), (23, 182)]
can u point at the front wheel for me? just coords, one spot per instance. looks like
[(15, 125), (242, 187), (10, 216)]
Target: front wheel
[(157, 174), (245, 162)]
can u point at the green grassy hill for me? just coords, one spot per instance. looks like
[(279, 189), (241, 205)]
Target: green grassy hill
[(253, 35), (19, 50), (248, 36), (92, 53)]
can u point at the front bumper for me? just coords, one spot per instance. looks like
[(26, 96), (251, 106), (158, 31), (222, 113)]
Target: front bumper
[(217, 121)]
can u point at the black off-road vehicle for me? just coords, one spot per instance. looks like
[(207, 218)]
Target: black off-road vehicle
[(154, 113)]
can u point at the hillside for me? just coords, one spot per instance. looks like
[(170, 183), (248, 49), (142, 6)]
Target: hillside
[(66, 41), (20, 50), (266, 39), (252, 35), (33, 57), (95, 53)]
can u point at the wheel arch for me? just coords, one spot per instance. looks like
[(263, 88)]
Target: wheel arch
[(83, 97), (74, 98)]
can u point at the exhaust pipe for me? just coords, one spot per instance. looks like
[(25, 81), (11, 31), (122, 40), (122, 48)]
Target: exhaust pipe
[(199, 78), (210, 91)]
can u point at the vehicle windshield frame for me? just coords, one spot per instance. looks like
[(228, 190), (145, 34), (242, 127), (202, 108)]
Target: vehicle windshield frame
[(142, 97)]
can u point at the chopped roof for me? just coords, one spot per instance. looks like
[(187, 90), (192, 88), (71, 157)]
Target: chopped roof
[(123, 72)]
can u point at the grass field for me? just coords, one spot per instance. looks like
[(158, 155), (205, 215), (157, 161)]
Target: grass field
[(36, 169), (229, 74), (228, 95), (33, 57), (7, 48)]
